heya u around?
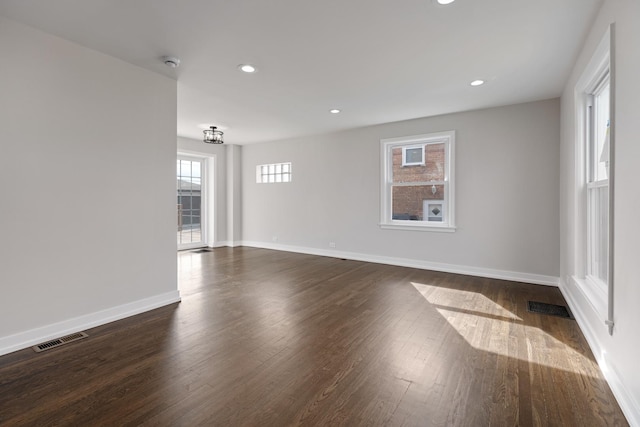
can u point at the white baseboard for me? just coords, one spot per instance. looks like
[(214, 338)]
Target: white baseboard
[(35, 336), (537, 279), (627, 402), (226, 243)]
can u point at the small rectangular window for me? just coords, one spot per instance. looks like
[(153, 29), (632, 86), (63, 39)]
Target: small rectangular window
[(413, 156), (273, 173)]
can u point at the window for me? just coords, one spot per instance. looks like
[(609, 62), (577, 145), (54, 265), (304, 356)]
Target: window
[(417, 190), (597, 182), (413, 156), (594, 190), (272, 173)]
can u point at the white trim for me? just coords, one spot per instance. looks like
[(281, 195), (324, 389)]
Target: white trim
[(35, 336), (629, 405), (190, 246), (416, 226), (593, 294), (537, 279)]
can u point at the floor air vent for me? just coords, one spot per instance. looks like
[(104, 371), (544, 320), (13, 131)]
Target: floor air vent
[(59, 341), (201, 251), (550, 309)]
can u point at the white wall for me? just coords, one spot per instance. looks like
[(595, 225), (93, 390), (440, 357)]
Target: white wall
[(88, 187), (234, 195), (617, 354), (506, 195), (217, 159)]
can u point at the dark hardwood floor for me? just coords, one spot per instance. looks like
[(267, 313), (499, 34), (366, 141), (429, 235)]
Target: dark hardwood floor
[(266, 338)]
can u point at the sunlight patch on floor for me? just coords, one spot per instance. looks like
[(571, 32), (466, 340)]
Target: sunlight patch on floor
[(466, 312)]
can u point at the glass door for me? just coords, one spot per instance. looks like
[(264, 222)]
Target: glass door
[(190, 191)]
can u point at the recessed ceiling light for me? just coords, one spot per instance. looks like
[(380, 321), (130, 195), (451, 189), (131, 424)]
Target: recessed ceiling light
[(247, 68), (477, 82), (334, 111), (445, 1)]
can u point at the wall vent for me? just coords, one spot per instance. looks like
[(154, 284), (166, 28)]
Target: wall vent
[(59, 341)]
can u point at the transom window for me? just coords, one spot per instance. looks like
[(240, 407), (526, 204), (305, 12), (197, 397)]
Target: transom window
[(417, 190), (273, 173)]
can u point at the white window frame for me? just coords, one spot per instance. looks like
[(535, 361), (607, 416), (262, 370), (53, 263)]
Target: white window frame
[(598, 70), (386, 185), (404, 155)]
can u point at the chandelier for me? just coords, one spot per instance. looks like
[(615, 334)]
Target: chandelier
[(213, 135)]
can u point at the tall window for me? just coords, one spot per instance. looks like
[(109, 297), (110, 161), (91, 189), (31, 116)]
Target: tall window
[(597, 181), (594, 181), (417, 190)]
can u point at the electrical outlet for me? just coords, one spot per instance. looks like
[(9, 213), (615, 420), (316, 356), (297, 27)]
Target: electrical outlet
[(274, 238), (332, 244)]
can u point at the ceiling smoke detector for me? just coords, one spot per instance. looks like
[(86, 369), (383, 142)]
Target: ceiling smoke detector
[(171, 61)]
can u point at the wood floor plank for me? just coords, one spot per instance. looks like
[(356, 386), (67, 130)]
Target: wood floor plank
[(276, 339)]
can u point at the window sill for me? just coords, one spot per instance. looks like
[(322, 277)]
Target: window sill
[(416, 227), (594, 293)]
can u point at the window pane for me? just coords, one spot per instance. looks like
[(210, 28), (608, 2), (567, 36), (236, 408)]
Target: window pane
[(286, 178), (285, 167), (186, 203), (598, 217), (195, 202), (435, 162), (601, 144), (184, 185), (195, 169), (432, 170), (408, 201), (185, 168), (413, 155)]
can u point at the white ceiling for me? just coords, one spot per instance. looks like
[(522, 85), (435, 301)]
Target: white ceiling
[(377, 60)]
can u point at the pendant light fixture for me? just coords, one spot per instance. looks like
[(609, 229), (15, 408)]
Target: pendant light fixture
[(213, 136)]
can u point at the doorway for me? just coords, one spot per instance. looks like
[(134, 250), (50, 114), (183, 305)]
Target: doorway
[(191, 194)]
